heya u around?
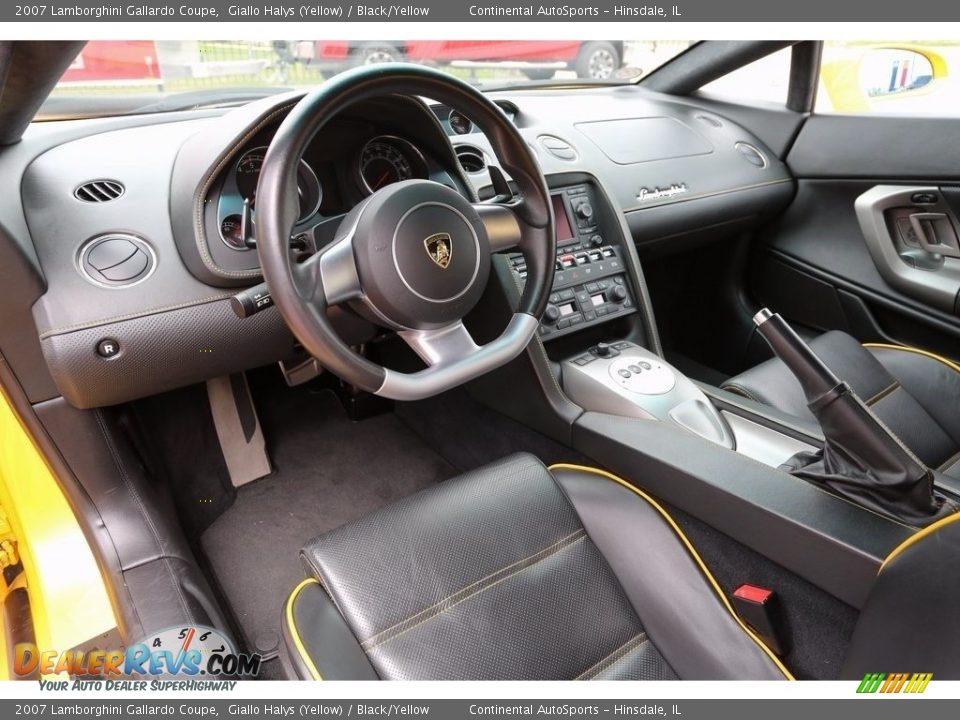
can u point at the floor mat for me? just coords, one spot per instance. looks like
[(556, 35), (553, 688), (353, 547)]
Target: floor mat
[(328, 471), (470, 435)]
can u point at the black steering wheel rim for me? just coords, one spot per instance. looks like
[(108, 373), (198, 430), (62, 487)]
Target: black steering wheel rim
[(303, 304)]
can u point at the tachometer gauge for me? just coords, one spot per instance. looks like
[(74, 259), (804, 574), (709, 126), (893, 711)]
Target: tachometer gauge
[(248, 172), (247, 176), (382, 162)]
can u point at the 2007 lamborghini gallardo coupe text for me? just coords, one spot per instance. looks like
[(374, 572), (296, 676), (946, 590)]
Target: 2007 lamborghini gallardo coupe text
[(420, 373)]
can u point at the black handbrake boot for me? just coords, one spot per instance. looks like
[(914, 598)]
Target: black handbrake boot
[(862, 459)]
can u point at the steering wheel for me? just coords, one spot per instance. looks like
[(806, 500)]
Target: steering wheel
[(413, 256)]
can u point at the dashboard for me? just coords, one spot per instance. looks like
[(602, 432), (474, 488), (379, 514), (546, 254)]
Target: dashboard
[(355, 155), (153, 268), (348, 163), (353, 158)]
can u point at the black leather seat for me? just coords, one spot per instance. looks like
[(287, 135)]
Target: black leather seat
[(518, 572), (914, 392)]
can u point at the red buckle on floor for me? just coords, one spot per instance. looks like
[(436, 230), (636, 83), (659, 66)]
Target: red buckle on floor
[(759, 608), (752, 593)]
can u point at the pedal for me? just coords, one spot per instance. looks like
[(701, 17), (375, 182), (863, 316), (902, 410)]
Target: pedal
[(238, 429)]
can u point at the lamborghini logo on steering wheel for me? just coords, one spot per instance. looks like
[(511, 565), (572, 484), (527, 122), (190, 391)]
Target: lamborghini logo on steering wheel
[(439, 247)]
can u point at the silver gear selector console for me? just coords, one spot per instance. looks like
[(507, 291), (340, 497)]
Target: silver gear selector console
[(645, 377), (622, 378)]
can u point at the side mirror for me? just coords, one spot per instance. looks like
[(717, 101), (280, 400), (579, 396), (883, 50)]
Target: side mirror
[(869, 78)]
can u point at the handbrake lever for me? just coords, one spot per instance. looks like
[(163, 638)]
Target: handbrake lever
[(861, 459)]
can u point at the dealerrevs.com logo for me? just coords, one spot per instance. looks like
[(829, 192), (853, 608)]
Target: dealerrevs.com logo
[(894, 683), (184, 652)]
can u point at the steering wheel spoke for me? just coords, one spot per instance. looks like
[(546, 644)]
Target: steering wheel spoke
[(338, 273), (504, 228), (330, 276), (454, 362), (443, 346)]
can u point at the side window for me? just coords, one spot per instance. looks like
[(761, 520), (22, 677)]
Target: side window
[(766, 80), (909, 78)]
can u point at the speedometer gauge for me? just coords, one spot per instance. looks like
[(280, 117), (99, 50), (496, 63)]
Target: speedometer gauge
[(382, 162)]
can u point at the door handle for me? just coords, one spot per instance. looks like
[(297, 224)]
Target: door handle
[(936, 233), (883, 213)]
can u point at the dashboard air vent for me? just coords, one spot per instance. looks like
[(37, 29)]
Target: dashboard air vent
[(751, 154), (471, 158), (559, 148), (99, 191)]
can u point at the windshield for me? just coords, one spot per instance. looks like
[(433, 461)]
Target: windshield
[(117, 77)]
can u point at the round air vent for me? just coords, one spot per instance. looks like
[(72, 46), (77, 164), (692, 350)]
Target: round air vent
[(116, 260), (99, 191), (471, 158), (751, 154), (559, 148)]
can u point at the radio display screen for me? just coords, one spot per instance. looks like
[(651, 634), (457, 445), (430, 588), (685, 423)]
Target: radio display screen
[(564, 231)]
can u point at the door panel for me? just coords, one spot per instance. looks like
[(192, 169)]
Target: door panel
[(869, 244)]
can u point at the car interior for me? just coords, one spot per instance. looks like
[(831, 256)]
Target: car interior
[(401, 378)]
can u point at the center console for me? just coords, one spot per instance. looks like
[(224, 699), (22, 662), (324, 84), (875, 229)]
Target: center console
[(590, 284), (606, 389), (624, 379), (592, 330), (591, 287)]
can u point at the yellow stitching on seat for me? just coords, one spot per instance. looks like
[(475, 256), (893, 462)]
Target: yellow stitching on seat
[(916, 351), (918, 536), (472, 590), (690, 549), (295, 634), (613, 658), (889, 390)]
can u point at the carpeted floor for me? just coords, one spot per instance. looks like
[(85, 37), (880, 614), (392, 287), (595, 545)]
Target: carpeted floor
[(327, 471)]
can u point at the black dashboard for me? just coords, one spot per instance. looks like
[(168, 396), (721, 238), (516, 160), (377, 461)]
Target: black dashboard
[(352, 158), (368, 146), (665, 169)]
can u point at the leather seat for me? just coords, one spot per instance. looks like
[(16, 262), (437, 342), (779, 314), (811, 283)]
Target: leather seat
[(914, 392), (519, 572)]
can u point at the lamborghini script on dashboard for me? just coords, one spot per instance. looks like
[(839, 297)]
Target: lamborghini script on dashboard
[(658, 193)]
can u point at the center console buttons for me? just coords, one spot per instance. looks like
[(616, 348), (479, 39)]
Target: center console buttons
[(629, 373)]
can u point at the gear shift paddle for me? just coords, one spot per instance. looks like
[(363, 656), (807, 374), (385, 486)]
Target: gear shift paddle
[(861, 459)]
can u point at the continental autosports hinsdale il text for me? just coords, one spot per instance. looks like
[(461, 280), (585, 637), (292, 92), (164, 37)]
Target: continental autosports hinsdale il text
[(638, 11)]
